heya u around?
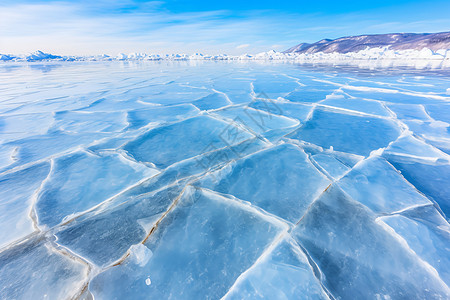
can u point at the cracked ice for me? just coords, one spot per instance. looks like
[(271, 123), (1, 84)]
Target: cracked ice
[(234, 180)]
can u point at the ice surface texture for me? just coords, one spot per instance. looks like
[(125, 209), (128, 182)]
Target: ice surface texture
[(233, 180)]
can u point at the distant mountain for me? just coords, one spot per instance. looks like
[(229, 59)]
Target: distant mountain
[(396, 41)]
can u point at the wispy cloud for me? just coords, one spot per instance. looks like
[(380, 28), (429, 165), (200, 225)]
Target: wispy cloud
[(67, 28), (106, 26), (243, 46)]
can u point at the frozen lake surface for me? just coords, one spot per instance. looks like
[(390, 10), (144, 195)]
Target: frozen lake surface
[(241, 180)]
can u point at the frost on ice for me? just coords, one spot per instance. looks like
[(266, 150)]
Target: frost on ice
[(234, 180)]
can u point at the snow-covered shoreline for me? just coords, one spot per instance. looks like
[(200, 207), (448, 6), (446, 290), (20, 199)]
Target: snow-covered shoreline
[(382, 56)]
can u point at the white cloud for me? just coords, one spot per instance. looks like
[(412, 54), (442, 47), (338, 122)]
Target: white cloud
[(243, 46), (66, 28)]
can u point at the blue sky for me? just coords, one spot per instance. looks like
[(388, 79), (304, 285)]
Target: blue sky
[(234, 27)]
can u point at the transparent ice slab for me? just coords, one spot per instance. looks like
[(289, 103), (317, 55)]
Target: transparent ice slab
[(419, 174), (347, 133), (426, 240), (257, 121), (292, 110), (167, 94), (280, 180), (334, 167), (359, 105), (40, 147), (161, 145), (142, 117), (392, 96), (238, 89), (197, 251), (409, 111), (359, 257), (36, 270), (212, 101), (284, 273), (110, 104), (308, 95), (429, 129), (104, 236), (379, 186), (441, 144), (81, 180), (274, 86), (415, 149), (17, 190), (439, 112)]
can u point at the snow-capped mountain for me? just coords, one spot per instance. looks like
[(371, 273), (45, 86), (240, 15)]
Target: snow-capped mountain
[(395, 41)]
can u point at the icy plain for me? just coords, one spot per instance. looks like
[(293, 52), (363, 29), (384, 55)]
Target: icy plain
[(233, 180)]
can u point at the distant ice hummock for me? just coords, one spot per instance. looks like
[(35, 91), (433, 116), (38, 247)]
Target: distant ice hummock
[(440, 57)]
